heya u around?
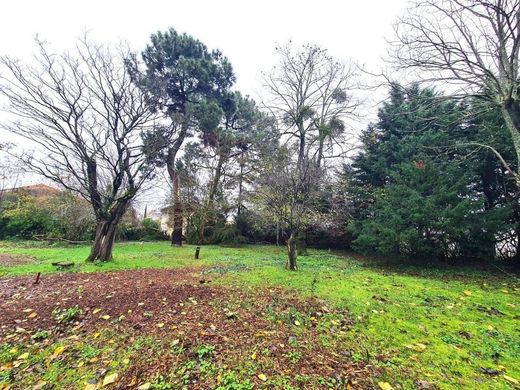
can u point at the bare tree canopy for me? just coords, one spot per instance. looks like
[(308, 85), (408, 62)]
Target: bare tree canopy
[(472, 44), (85, 116), (311, 95)]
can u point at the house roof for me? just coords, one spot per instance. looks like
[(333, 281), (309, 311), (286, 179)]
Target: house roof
[(36, 190)]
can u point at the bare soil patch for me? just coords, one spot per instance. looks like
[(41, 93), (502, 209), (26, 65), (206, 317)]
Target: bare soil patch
[(9, 260), (184, 307)]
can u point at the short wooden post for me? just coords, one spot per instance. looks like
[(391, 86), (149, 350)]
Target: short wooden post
[(197, 252), (37, 281)]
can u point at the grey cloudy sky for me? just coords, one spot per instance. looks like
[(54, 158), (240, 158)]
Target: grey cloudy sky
[(245, 31)]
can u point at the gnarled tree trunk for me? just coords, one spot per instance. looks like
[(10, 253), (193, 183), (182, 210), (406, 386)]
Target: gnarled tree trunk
[(104, 240), (105, 234)]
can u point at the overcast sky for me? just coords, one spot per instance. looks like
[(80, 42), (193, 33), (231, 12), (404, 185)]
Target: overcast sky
[(245, 31)]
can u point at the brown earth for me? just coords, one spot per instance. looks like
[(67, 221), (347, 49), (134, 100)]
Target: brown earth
[(187, 308), (8, 260)]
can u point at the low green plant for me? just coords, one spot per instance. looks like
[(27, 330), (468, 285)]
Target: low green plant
[(230, 381), (66, 315), (40, 335)]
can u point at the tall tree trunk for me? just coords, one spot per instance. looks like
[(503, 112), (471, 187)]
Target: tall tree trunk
[(240, 184), (176, 237), (301, 152), (511, 114), (291, 253), (211, 196), (319, 157)]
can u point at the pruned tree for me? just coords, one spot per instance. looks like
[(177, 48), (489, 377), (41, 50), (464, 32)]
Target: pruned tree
[(472, 46), (180, 74), (84, 117)]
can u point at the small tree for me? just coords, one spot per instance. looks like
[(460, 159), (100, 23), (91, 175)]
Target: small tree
[(85, 117)]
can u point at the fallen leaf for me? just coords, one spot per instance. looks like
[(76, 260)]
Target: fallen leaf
[(297, 323), (385, 386), (145, 386), (105, 317), (253, 356), (32, 315), (262, 377), (109, 379), (160, 324), (57, 352), (95, 311), (467, 293), (512, 380), (23, 356)]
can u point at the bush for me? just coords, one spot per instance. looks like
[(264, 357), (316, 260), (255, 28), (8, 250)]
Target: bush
[(148, 230), (22, 218)]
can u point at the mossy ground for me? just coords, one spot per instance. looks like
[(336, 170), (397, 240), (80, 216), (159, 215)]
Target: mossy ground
[(455, 327)]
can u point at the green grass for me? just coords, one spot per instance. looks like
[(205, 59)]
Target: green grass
[(442, 325)]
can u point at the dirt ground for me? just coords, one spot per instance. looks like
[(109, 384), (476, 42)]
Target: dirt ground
[(189, 308), (8, 260)]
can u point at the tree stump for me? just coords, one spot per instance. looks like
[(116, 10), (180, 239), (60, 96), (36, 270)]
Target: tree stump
[(62, 265)]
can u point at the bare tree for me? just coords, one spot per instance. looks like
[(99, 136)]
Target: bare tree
[(470, 44), (84, 117), (311, 95)]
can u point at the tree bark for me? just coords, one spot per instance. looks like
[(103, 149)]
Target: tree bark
[(291, 253), (240, 184), (104, 240), (176, 237)]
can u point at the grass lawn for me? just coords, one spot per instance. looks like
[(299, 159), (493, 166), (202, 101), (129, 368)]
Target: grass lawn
[(368, 323)]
